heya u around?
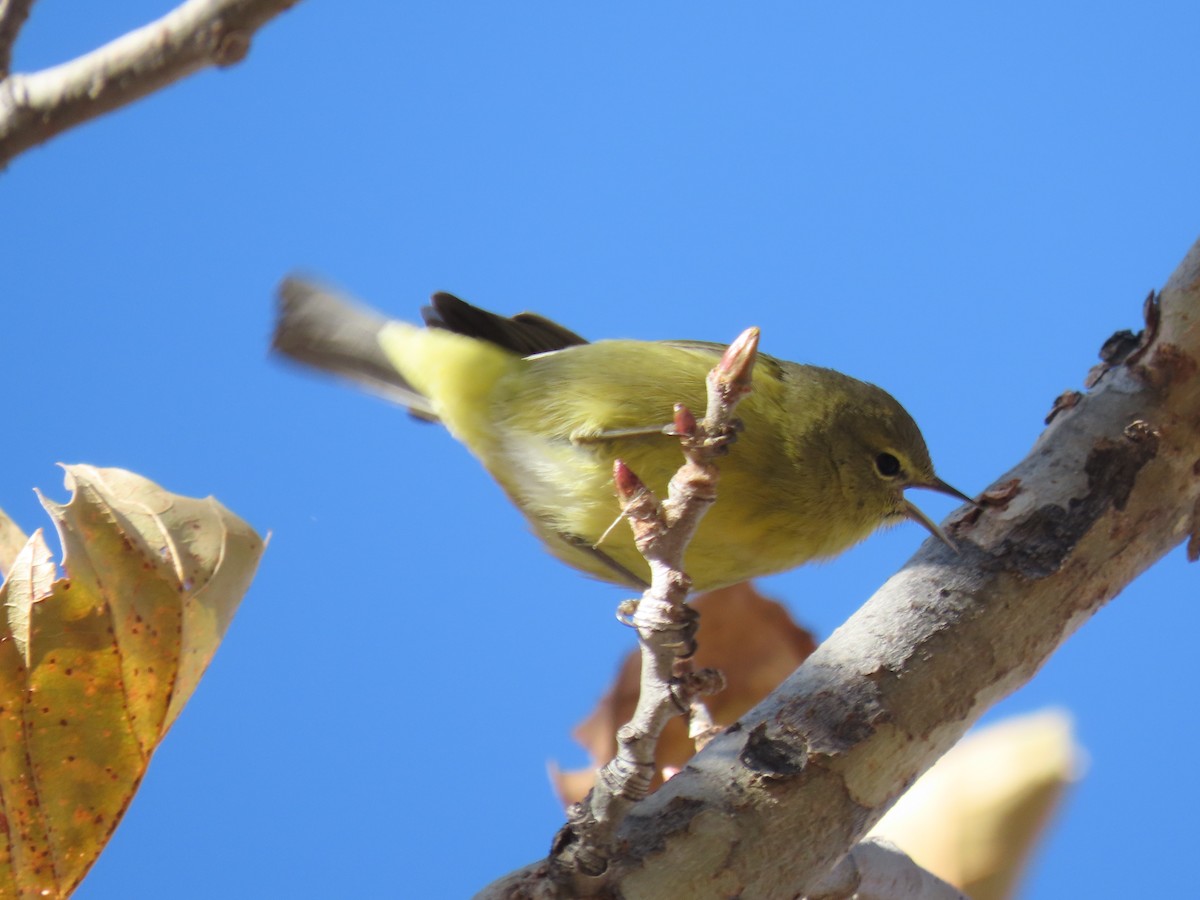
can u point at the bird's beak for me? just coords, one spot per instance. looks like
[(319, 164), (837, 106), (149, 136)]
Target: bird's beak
[(912, 512), (942, 488)]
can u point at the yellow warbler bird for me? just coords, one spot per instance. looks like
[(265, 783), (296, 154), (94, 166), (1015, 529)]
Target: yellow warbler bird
[(822, 460)]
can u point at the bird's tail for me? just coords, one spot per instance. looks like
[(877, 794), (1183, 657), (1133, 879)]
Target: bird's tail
[(319, 328)]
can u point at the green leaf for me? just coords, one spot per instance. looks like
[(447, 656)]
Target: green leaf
[(96, 666)]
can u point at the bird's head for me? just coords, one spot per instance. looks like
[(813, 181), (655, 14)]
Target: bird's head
[(882, 454)]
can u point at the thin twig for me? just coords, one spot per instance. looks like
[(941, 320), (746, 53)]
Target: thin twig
[(37, 106), (665, 624)]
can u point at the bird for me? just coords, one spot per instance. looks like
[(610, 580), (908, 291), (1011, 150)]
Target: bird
[(822, 459)]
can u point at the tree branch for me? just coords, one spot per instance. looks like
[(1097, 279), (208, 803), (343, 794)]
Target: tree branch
[(878, 870), (774, 802), (199, 33), (13, 14)]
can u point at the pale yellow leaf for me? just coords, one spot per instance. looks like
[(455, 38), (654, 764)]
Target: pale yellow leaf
[(975, 818), (12, 539)]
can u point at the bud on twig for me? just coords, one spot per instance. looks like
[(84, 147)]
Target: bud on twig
[(685, 421), (734, 370), (629, 486)]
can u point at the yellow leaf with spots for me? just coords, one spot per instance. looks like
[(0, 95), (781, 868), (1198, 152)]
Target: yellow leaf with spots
[(95, 667)]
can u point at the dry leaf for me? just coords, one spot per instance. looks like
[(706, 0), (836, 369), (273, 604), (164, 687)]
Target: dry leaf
[(750, 638), (975, 818), (95, 667)]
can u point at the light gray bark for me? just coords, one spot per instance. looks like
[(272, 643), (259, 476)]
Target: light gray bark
[(878, 870), (35, 107)]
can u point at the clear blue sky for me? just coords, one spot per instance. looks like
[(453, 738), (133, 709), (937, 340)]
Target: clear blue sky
[(956, 203)]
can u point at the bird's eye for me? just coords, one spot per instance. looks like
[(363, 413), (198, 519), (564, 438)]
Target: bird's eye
[(887, 465)]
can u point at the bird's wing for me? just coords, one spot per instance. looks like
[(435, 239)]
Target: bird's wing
[(525, 333)]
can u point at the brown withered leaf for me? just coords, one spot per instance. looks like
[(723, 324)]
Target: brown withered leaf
[(975, 818), (95, 667), (749, 637)]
